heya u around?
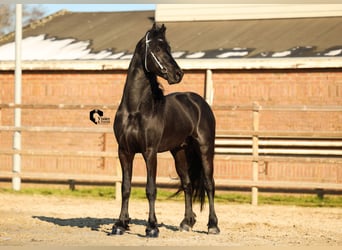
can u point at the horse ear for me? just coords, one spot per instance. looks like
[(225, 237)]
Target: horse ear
[(154, 26), (163, 28)]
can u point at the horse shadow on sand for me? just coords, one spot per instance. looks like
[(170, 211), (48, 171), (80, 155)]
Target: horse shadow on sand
[(96, 224)]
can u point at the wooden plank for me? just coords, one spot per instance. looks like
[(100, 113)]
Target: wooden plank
[(57, 129), (72, 153), (301, 143), (280, 151), (232, 107), (279, 133), (299, 151), (278, 142), (166, 181), (277, 184), (169, 157), (82, 178), (307, 108), (220, 133), (223, 150), (59, 106), (278, 108), (233, 142), (303, 159), (60, 177), (60, 153)]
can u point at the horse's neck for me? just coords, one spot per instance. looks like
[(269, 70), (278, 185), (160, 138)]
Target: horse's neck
[(137, 92)]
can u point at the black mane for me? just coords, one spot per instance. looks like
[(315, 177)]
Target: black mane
[(156, 88)]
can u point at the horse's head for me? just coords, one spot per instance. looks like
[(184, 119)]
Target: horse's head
[(158, 58)]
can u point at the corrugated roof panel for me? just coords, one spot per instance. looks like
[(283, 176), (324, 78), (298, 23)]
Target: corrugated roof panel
[(114, 35)]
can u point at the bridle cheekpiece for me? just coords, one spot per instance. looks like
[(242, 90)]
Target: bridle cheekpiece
[(147, 41)]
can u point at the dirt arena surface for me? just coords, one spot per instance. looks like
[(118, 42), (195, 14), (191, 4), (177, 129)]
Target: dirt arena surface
[(62, 221)]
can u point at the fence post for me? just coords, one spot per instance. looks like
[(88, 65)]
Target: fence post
[(118, 183), (209, 87), (104, 149), (255, 162)]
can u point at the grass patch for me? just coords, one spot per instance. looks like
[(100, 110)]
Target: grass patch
[(302, 200), (239, 198), (93, 192), (305, 200), (166, 195)]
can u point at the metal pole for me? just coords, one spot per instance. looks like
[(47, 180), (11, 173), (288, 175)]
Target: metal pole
[(16, 181)]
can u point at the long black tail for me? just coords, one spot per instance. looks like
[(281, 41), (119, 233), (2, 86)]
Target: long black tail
[(196, 172)]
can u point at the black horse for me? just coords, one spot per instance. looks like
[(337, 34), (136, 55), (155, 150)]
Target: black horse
[(148, 122)]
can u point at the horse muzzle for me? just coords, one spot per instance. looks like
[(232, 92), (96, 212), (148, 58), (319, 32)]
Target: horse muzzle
[(176, 77)]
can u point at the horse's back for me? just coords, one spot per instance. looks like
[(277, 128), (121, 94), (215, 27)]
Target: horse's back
[(191, 102)]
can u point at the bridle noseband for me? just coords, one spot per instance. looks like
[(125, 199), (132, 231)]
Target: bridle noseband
[(147, 41)]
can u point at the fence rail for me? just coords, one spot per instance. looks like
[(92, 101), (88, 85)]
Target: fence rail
[(57, 106), (255, 106), (220, 133), (251, 145)]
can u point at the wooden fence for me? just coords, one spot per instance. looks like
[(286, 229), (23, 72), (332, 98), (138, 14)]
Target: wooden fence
[(252, 145)]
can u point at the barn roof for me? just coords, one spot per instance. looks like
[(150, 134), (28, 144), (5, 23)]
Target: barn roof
[(113, 35)]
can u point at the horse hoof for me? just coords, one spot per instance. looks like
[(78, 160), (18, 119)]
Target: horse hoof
[(152, 232), (213, 230), (118, 230), (185, 228), (187, 224)]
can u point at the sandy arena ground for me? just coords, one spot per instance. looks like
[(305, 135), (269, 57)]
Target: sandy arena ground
[(60, 221)]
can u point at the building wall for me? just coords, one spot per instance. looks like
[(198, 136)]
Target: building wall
[(280, 87), (231, 87)]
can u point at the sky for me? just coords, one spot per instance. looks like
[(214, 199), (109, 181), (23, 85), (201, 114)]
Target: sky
[(52, 8)]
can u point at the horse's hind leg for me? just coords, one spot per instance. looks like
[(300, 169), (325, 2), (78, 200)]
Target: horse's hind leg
[(126, 160), (182, 170), (207, 156)]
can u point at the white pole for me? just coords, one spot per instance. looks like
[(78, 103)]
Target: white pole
[(16, 181)]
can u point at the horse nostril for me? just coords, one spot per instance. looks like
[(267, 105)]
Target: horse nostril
[(179, 74)]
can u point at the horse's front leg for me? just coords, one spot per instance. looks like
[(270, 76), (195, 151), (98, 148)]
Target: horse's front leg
[(126, 161), (150, 157)]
